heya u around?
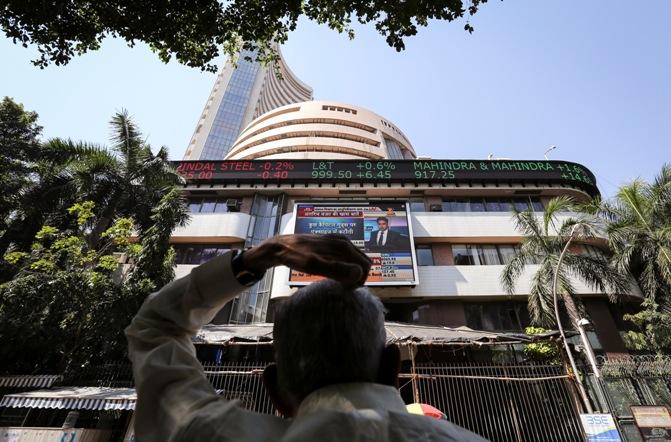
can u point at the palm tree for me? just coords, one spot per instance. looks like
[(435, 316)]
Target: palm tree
[(126, 180), (639, 233), (129, 180), (544, 239)]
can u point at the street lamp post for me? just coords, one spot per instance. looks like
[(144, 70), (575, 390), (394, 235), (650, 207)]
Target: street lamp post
[(581, 386)]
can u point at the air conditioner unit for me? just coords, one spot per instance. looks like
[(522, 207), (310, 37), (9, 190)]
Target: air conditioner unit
[(436, 208), (233, 205)]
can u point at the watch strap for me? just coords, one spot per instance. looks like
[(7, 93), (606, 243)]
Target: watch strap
[(244, 276)]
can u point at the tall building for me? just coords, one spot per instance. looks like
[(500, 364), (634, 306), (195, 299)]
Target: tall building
[(459, 211), (438, 232), (329, 167), (239, 95)]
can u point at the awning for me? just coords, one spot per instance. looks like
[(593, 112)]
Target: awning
[(397, 333), (30, 380), (74, 398)]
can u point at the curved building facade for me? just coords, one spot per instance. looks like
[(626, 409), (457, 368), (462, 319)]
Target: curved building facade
[(318, 130), (239, 95)]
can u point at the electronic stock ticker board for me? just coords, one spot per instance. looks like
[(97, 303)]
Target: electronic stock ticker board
[(388, 171)]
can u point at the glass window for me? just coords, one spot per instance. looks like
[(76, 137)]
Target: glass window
[(457, 205), (477, 205), (193, 254), (424, 255), (461, 205), (417, 205), (448, 205), (492, 205), (507, 252), (208, 205), (497, 316), (465, 255), (221, 206), (505, 205), (208, 253), (521, 204), (393, 149), (537, 204), (488, 255), (194, 205)]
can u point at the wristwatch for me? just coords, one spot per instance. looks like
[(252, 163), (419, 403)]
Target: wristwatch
[(244, 276)]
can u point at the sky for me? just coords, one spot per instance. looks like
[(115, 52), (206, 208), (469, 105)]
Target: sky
[(592, 78)]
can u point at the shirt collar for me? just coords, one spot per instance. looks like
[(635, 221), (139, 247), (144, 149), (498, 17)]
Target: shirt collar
[(352, 396)]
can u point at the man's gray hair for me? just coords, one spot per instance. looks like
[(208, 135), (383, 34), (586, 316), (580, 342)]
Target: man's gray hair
[(327, 334)]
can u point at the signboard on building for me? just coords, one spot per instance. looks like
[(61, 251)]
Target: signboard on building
[(600, 428), (389, 171), (381, 229), (654, 422)]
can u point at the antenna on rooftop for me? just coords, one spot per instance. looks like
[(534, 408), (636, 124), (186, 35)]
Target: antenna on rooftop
[(553, 147)]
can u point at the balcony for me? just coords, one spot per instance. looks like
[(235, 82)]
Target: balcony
[(214, 227), (444, 282), (464, 226)]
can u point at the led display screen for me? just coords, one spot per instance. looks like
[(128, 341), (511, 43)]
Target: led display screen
[(443, 171), (381, 229)]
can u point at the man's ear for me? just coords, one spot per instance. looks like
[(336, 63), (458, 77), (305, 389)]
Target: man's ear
[(390, 365), (283, 404)]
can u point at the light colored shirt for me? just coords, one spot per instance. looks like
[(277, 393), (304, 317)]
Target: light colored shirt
[(176, 402)]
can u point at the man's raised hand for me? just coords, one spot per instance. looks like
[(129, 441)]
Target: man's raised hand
[(332, 256)]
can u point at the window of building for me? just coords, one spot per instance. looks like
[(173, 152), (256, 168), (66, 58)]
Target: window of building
[(456, 205), (505, 205), (214, 205), (477, 205), (489, 204), (521, 204), (465, 255), (483, 254), (197, 253), (506, 252), (489, 255), (393, 149), (417, 205), (424, 255), (497, 316), (537, 204)]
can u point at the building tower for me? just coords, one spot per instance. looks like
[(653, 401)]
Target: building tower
[(238, 96)]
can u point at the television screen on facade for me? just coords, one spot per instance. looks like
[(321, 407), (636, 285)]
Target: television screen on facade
[(381, 229)]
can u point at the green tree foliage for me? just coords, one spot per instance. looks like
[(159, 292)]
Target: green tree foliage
[(195, 32), (74, 209), (544, 239), (639, 232), (127, 180), (540, 351), (69, 303), (19, 142), (59, 310)]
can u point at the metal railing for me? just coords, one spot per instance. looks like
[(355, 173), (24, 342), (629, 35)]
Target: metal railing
[(502, 402), (633, 380), (241, 381)]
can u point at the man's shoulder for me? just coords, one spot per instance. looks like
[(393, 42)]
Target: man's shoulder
[(224, 420), (411, 427)]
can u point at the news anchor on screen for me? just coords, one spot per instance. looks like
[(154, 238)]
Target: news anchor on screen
[(386, 240)]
